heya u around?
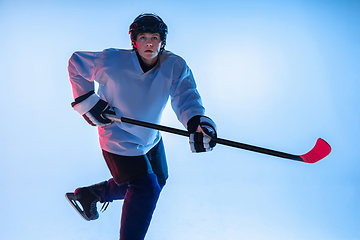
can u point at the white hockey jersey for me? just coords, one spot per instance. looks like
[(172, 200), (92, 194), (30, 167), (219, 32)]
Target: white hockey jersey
[(135, 94)]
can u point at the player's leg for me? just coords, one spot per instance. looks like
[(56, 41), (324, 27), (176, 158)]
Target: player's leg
[(139, 205)]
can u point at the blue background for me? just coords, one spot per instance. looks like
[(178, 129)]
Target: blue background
[(277, 74)]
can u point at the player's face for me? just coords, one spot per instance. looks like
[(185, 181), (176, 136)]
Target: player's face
[(148, 46)]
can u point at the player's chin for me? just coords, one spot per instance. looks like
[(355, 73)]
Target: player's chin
[(149, 55)]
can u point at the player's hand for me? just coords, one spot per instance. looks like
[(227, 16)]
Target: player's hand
[(95, 116), (202, 129), (92, 108)]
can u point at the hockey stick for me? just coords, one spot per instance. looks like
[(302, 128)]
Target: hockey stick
[(318, 152)]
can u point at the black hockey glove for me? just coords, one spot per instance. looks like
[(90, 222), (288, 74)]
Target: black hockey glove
[(202, 129), (92, 108)]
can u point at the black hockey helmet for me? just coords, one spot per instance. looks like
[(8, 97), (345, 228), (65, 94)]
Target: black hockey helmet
[(148, 22)]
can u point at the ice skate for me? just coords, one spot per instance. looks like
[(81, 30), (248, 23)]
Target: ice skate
[(84, 201)]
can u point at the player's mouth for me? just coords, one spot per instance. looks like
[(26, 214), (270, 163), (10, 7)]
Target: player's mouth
[(148, 51)]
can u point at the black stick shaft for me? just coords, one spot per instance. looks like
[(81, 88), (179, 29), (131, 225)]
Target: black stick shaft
[(257, 149), (217, 140), (156, 126)]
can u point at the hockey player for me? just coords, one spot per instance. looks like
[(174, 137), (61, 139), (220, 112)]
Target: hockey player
[(136, 84)]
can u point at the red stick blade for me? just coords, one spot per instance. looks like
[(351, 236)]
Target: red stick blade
[(319, 151)]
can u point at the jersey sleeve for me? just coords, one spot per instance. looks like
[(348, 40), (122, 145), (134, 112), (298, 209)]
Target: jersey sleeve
[(82, 72), (185, 98)]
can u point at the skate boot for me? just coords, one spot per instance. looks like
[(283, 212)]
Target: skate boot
[(88, 198)]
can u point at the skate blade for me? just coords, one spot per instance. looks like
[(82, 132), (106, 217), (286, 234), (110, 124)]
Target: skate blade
[(71, 198)]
